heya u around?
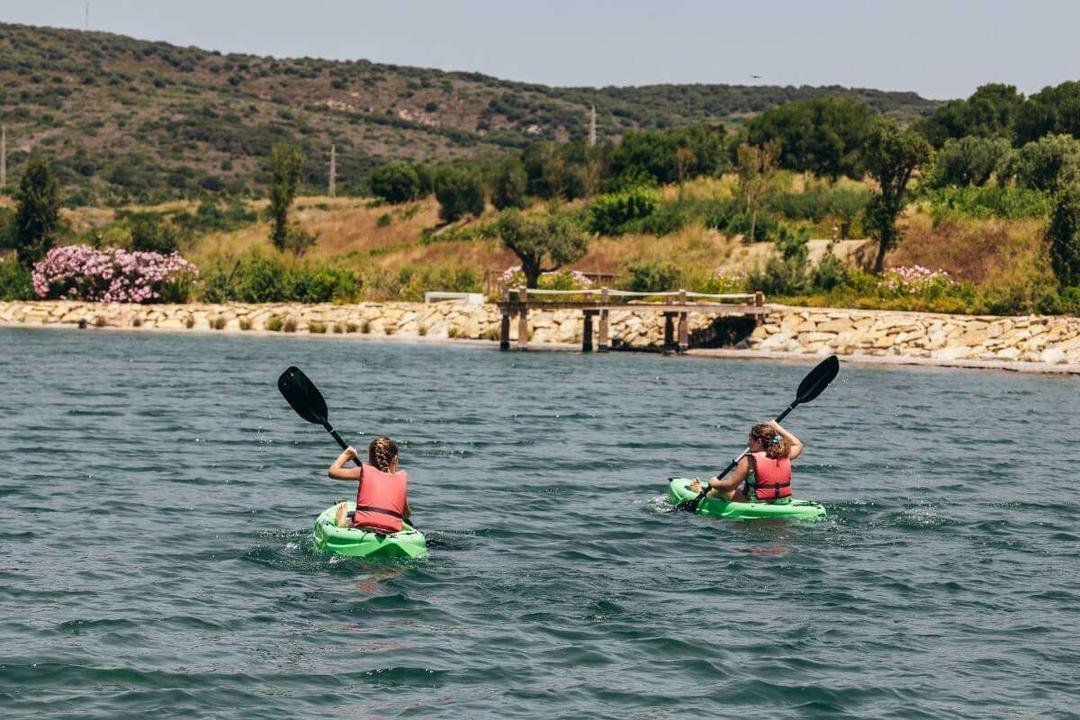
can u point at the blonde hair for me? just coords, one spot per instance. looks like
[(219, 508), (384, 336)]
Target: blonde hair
[(775, 444), (381, 452)]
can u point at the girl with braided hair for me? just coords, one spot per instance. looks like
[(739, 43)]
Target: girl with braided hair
[(764, 471), (381, 502)]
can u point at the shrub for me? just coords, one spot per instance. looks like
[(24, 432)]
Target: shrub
[(508, 184), (396, 183), (274, 323), (384, 220), (1009, 202), (609, 213), (652, 276), (150, 234), (83, 273), (218, 323), (16, 282), (316, 327), (318, 285), (1064, 236), (460, 192), (245, 323), (289, 325)]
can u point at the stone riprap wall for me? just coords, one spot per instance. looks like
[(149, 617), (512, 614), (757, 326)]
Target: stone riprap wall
[(1048, 340), (442, 320), (1041, 339)]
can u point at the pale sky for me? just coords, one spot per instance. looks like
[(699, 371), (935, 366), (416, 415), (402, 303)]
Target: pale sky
[(940, 49)]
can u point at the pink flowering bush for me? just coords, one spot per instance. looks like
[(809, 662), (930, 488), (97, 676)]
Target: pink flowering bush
[(79, 272), (513, 276), (915, 280)]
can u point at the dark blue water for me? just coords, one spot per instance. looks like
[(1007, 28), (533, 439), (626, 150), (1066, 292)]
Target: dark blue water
[(157, 495)]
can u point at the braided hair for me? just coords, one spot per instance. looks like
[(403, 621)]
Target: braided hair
[(775, 444), (381, 452)]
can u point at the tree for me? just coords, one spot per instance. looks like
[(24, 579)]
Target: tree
[(755, 165), (508, 185), (1052, 110), (286, 163), (990, 112), (37, 218), (396, 183), (536, 241), (969, 161), (1064, 236), (891, 154), (1048, 163), (822, 136), (460, 192)]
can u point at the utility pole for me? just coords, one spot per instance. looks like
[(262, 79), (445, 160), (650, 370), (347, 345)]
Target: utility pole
[(86, 17), (592, 125), (3, 158), (333, 170)]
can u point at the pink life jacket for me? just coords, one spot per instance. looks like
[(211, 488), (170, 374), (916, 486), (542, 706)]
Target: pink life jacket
[(772, 477), (380, 500)]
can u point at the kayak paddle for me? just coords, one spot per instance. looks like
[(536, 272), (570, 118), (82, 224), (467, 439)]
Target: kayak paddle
[(815, 381), (307, 401)]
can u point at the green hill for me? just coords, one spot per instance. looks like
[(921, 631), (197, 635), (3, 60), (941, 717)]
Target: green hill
[(126, 119)]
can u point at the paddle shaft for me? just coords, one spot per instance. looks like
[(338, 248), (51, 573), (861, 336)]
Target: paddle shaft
[(340, 441)]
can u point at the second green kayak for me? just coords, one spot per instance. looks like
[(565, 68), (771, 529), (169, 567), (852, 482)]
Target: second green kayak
[(354, 542), (679, 490)]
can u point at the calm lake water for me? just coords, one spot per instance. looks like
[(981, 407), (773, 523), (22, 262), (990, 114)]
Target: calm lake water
[(157, 497)]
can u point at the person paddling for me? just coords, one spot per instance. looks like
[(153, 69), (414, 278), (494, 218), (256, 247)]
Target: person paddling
[(381, 502), (764, 471)]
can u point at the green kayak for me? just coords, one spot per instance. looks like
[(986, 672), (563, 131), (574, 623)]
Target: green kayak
[(679, 490), (353, 542)]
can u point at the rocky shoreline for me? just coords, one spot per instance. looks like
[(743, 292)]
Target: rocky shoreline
[(1028, 343)]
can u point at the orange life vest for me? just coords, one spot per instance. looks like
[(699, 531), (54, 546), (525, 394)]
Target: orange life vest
[(772, 477), (380, 500)]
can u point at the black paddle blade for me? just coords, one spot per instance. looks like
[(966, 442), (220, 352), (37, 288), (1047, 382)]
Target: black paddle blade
[(302, 394), (817, 380)]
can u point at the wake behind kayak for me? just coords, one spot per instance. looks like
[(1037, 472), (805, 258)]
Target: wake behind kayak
[(679, 491)]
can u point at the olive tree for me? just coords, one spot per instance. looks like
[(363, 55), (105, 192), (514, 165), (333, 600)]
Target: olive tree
[(891, 155), (542, 244)]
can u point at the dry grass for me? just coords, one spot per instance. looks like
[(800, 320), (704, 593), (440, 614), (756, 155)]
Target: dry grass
[(979, 251)]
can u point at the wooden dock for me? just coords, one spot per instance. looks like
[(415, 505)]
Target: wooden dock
[(675, 306)]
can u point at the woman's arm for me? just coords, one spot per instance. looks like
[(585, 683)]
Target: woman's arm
[(338, 471), (724, 486), (794, 443)]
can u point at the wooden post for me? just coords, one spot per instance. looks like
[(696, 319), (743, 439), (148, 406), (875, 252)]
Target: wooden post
[(684, 330), (669, 331), (504, 326), (523, 319), (604, 345), (586, 332), (759, 298)]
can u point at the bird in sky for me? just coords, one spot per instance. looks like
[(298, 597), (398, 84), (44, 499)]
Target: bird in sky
[(756, 77)]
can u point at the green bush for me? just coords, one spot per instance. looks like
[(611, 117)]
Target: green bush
[(1009, 202), (764, 226), (319, 285), (396, 183), (460, 192), (609, 213), (652, 276), (15, 281)]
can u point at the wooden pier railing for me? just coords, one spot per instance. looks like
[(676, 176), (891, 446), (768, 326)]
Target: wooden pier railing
[(675, 306)]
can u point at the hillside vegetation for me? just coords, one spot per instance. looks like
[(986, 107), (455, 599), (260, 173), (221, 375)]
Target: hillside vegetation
[(129, 120)]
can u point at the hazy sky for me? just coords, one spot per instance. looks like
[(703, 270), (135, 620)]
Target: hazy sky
[(940, 49)]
